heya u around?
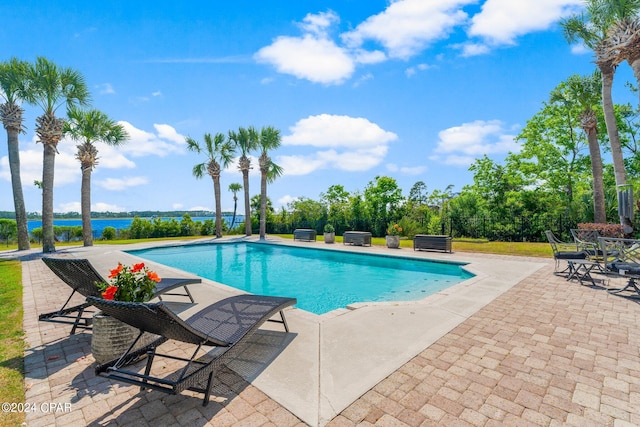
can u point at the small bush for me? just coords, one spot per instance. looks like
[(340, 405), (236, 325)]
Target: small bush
[(605, 230), (108, 233)]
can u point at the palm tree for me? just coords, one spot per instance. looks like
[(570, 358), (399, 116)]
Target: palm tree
[(624, 31), (269, 140), (234, 188), (247, 141), (13, 78), (89, 127), (219, 153), (584, 92), (52, 87), (593, 29)]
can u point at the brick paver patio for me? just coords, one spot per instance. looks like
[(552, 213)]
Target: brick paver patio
[(547, 352)]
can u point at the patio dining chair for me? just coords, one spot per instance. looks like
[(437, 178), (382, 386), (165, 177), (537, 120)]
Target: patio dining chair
[(622, 259), (80, 275), (563, 252), (223, 326), (587, 240)]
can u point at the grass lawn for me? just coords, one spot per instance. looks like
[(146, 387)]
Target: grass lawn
[(11, 341)]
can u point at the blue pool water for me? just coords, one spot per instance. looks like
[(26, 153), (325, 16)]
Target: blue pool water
[(321, 280)]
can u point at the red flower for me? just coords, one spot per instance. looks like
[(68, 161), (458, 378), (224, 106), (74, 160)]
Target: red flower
[(137, 267), (153, 276), (110, 292), (116, 271)]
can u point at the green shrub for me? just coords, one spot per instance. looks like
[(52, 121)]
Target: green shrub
[(108, 233)]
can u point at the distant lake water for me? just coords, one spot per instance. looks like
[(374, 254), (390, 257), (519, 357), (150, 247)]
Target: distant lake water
[(99, 224)]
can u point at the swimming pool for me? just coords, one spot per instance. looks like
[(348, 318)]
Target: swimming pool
[(321, 280)]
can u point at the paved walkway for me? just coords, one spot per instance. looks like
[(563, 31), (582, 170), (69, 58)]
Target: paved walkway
[(545, 352)]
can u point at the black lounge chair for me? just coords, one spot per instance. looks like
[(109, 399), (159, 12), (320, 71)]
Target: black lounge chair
[(82, 277), (223, 325)]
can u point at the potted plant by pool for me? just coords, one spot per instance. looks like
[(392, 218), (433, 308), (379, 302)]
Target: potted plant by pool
[(111, 337), (329, 233), (393, 236)]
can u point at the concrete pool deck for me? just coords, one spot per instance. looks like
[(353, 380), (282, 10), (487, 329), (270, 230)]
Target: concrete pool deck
[(379, 364)]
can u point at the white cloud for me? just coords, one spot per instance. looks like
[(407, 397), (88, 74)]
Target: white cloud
[(356, 144), (326, 130), (462, 144), (454, 160), (408, 26), (156, 93), (95, 207), (142, 143), (580, 49), (501, 21), (107, 207), (200, 208), (69, 207), (117, 184), (285, 200), (177, 206), (318, 24), (406, 170), (310, 57), (473, 49), (169, 132), (105, 89), (67, 168)]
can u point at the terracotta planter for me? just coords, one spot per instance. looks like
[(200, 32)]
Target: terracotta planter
[(393, 242), (110, 337), (329, 237)]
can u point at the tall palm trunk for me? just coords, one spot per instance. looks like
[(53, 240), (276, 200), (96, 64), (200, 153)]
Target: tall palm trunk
[(608, 71), (216, 191), (244, 167), (49, 130), (235, 209), (214, 171), (589, 124), (48, 165), (11, 116), (264, 169), (85, 205)]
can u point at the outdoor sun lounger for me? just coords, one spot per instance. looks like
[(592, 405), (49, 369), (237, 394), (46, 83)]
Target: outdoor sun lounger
[(82, 277), (223, 325)]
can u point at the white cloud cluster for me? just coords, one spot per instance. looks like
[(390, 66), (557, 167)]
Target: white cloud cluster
[(403, 30), (142, 143), (407, 27), (118, 184), (500, 22), (461, 145), (350, 143)]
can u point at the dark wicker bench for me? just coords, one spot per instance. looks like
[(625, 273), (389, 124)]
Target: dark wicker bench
[(306, 234), (358, 238), (432, 242), (223, 325)]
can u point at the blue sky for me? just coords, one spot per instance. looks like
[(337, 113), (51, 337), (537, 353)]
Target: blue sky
[(412, 89)]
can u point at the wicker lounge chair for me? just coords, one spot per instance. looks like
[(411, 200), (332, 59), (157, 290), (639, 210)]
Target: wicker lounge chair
[(223, 325), (82, 277), (563, 251)]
